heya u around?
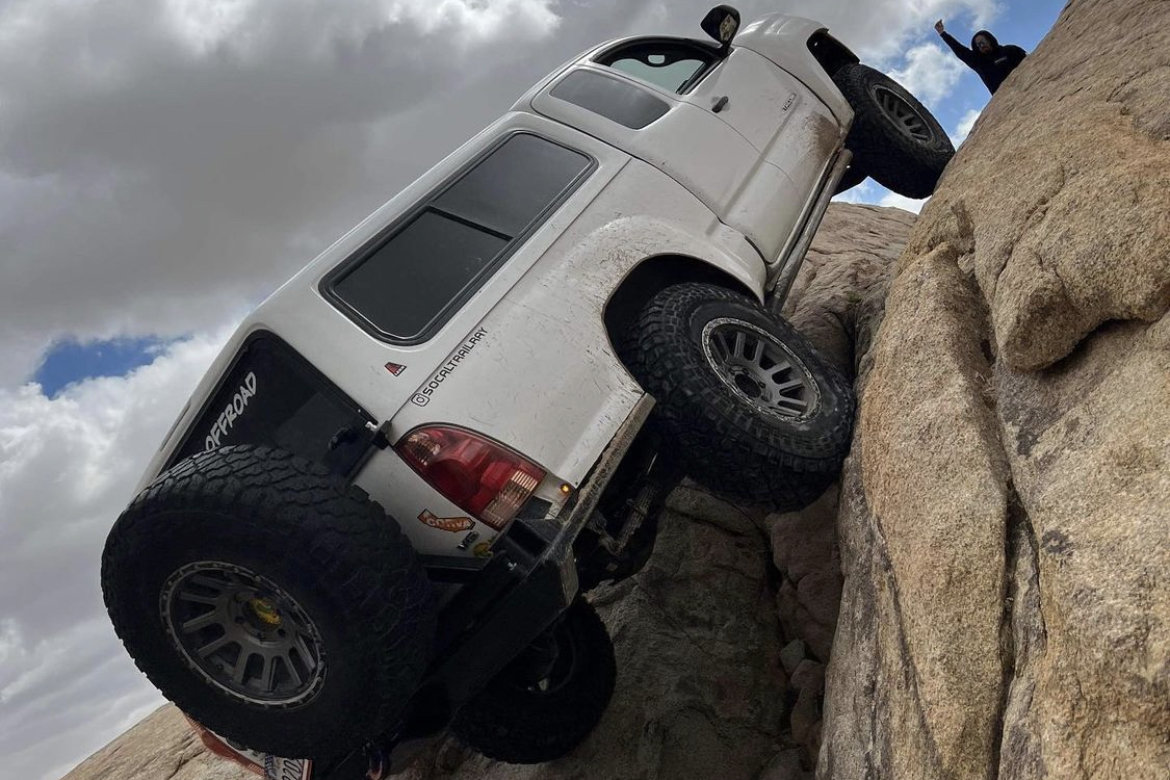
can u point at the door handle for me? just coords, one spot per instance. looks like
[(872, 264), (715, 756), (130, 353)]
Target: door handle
[(720, 104)]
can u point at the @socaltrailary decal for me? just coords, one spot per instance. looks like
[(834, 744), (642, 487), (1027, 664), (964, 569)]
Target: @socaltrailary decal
[(423, 396)]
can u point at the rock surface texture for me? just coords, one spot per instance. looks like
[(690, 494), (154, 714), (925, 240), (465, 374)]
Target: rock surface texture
[(161, 747), (1005, 515)]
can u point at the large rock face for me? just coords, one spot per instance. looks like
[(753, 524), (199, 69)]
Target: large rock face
[(1006, 509), (1059, 206)]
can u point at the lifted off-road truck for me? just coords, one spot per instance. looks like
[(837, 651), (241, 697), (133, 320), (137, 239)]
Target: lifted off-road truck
[(374, 518)]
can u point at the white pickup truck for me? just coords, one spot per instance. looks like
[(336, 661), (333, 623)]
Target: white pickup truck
[(374, 518)]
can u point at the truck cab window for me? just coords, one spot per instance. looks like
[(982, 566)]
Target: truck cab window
[(673, 65), (619, 101)]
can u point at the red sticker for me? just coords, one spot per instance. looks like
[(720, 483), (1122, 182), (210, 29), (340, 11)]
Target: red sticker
[(395, 368), (452, 524)]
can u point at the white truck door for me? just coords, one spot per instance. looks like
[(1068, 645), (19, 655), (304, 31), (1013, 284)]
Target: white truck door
[(784, 122), (790, 136), (692, 145)]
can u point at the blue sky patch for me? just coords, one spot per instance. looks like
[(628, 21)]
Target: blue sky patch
[(68, 362)]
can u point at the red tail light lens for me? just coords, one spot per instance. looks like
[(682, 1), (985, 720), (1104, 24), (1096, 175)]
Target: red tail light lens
[(479, 476)]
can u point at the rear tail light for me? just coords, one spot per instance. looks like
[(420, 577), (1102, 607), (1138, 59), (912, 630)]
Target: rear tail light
[(483, 478)]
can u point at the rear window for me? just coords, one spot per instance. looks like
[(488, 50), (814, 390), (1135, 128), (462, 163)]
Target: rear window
[(273, 396), (409, 282)]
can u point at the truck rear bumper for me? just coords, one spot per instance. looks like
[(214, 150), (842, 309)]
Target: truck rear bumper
[(508, 604)]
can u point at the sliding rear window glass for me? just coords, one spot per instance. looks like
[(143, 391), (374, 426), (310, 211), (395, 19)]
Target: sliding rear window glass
[(410, 282), (615, 100)]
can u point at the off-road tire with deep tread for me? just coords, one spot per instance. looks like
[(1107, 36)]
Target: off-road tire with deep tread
[(326, 544), (509, 722), (723, 440), (891, 157)]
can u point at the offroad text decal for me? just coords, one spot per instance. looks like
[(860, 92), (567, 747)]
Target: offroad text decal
[(452, 524), (234, 408), (423, 396)]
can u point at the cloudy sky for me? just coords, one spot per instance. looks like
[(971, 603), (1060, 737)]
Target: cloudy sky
[(164, 164)]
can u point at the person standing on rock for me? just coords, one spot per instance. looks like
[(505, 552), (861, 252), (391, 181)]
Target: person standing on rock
[(993, 63)]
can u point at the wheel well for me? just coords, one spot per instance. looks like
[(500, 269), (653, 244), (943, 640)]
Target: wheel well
[(652, 276), (831, 53)]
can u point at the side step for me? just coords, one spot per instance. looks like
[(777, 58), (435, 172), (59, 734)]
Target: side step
[(791, 267)]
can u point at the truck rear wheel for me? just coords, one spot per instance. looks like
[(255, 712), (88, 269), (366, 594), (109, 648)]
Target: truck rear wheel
[(755, 412), (272, 603), (546, 702), (894, 138)]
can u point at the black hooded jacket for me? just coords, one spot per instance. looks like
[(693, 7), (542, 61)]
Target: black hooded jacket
[(992, 67)]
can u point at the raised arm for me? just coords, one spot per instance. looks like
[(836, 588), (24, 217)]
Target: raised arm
[(961, 51)]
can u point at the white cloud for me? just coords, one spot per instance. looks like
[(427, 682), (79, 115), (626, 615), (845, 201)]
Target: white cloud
[(966, 124), (897, 201), (67, 467), (880, 30), (204, 24), (930, 73)]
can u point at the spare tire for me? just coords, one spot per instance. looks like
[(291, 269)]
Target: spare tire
[(894, 138), (271, 602), (753, 410)]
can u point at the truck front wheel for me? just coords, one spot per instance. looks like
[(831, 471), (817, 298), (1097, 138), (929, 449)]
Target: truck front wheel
[(755, 412), (894, 138)]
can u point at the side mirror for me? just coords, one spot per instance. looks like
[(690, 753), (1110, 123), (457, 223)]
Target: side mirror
[(721, 23)]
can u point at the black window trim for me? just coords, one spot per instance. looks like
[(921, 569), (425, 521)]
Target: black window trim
[(427, 203), (296, 360), (689, 85)]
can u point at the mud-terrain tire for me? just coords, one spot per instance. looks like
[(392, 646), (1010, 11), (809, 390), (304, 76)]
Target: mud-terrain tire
[(894, 138), (745, 432), (516, 721), (268, 554)]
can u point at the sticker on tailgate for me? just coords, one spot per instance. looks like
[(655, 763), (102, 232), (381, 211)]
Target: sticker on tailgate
[(277, 768)]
